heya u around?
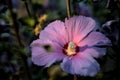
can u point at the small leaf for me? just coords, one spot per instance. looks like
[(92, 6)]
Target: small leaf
[(48, 48), (27, 21)]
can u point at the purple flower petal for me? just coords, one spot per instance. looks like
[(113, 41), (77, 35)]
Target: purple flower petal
[(93, 51), (56, 32), (80, 65), (94, 39), (43, 58), (78, 27)]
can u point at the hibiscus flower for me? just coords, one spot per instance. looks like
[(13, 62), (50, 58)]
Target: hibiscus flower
[(72, 42)]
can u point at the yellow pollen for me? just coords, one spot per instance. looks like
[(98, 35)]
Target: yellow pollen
[(71, 49)]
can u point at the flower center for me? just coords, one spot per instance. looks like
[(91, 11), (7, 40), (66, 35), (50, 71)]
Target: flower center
[(71, 49)]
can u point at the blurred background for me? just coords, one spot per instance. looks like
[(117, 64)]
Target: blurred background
[(22, 20)]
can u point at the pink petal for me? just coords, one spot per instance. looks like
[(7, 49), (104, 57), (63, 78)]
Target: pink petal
[(78, 27), (46, 59), (93, 51), (81, 65), (94, 39), (43, 58), (40, 43), (56, 32)]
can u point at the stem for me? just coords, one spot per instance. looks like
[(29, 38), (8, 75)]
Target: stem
[(68, 8), (75, 77), (27, 8), (15, 23), (108, 3), (16, 29)]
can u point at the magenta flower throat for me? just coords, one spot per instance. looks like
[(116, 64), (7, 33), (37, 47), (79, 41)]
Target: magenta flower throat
[(74, 43)]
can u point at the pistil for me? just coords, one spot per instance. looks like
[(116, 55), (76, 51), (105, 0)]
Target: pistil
[(71, 49)]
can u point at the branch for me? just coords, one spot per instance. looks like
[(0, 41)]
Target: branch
[(68, 8)]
